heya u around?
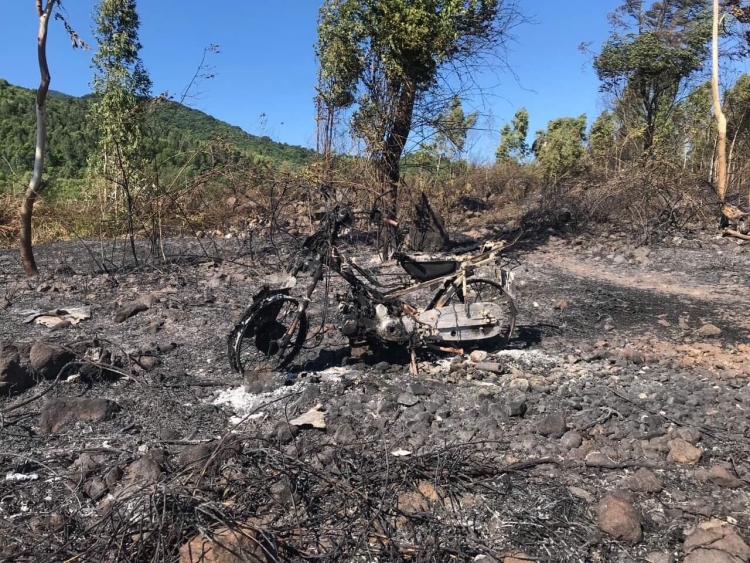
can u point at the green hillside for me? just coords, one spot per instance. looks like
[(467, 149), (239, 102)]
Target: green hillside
[(178, 131)]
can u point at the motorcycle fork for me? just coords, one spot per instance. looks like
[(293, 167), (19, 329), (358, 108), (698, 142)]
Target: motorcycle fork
[(287, 338)]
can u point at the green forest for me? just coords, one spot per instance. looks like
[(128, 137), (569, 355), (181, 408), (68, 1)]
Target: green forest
[(179, 136)]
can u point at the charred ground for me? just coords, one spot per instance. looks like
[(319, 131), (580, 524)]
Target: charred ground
[(615, 428)]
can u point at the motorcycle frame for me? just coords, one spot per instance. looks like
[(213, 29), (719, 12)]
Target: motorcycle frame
[(451, 283)]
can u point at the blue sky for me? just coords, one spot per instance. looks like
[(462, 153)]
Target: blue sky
[(267, 64)]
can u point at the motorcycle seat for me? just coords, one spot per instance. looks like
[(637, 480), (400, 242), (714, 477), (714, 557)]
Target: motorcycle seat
[(426, 270)]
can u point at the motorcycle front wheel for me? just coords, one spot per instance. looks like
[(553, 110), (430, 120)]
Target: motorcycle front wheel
[(255, 342)]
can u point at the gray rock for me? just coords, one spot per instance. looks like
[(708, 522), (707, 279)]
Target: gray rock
[(57, 413), (345, 435), (47, 360), (516, 407), (14, 376), (553, 425), (94, 488), (571, 440), (416, 388), (521, 384), (130, 310), (645, 481), (599, 459), (145, 469), (709, 331), (407, 399)]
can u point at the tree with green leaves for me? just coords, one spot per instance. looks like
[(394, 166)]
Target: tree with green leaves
[(561, 149), (649, 66), (602, 148), (513, 146), (123, 88), (451, 129), (383, 59)]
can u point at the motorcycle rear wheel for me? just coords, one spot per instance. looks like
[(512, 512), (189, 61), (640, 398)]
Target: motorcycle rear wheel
[(480, 289)]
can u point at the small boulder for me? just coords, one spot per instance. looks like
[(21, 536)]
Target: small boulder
[(130, 310), (345, 435), (715, 541), (14, 377), (681, 451), (571, 440), (57, 413), (516, 407), (553, 425), (618, 518), (719, 476), (478, 356), (241, 543), (145, 470), (645, 481), (521, 384), (407, 399), (47, 360), (709, 331)]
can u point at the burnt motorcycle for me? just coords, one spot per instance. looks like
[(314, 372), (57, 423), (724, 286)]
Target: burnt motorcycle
[(464, 310)]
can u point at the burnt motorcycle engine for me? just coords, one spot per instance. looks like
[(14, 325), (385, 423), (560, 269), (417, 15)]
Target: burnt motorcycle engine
[(355, 318), (391, 327)]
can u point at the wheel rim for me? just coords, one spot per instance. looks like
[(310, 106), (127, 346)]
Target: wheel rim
[(487, 290), (257, 346)]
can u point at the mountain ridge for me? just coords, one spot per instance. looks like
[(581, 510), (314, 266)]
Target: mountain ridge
[(71, 138)]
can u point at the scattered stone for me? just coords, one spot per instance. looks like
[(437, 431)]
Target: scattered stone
[(561, 305), (314, 418), (553, 425), (94, 488), (478, 356), (619, 259), (516, 407), (14, 377), (618, 518), (417, 389), (681, 451), (148, 363), (144, 470), (571, 440), (645, 481), (130, 310), (57, 413), (243, 543), (598, 459), (407, 399), (715, 541), (709, 331), (719, 476), (582, 494), (345, 435), (47, 360), (517, 557), (4, 304), (521, 384)]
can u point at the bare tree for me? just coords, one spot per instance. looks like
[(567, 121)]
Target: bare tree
[(37, 185), (721, 120)]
